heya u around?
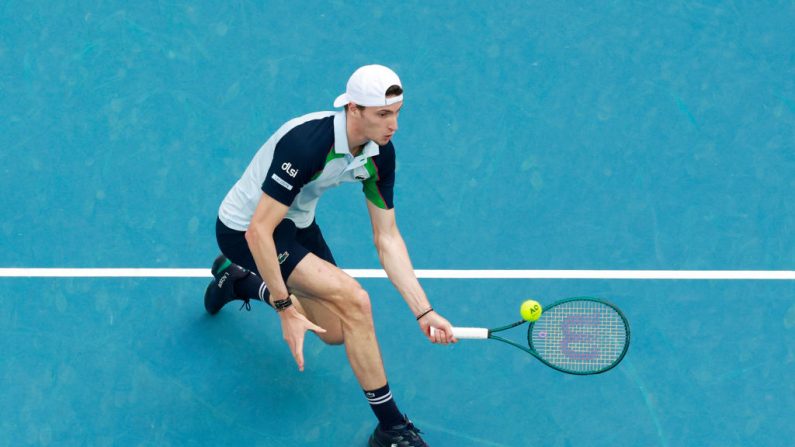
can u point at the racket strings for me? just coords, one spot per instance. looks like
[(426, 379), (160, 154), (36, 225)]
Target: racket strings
[(580, 336)]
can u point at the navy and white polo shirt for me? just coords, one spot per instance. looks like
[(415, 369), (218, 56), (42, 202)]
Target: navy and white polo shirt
[(304, 158)]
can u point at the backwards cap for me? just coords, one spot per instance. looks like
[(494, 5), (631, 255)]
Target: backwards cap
[(368, 85)]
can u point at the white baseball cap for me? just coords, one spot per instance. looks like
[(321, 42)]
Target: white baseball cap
[(368, 85)]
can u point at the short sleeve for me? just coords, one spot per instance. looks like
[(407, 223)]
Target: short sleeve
[(292, 167), (379, 187)]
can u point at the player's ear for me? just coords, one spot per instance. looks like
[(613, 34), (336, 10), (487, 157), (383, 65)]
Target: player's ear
[(354, 109)]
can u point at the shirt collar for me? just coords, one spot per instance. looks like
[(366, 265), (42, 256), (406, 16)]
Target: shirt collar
[(371, 149)]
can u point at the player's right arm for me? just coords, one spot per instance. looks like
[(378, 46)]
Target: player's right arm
[(291, 167)]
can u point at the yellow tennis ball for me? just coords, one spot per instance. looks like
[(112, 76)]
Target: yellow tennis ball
[(530, 310)]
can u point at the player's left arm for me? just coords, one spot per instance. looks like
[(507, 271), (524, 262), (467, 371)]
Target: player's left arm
[(394, 257)]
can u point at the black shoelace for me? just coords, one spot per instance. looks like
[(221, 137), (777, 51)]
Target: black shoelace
[(413, 435), (415, 432)]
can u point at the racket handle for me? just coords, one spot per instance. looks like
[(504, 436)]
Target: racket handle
[(467, 332)]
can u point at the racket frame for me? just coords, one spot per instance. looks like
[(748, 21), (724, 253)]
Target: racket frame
[(529, 347), (582, 373)]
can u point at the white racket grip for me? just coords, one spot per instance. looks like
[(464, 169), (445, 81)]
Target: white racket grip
[(467, 332)]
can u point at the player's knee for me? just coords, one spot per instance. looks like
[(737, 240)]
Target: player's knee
[(356, 307), (361, 302)]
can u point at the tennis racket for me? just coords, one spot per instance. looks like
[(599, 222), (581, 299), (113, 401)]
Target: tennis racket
[(575, 335)]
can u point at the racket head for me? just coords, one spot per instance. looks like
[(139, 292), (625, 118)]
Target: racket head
[(581, 335)]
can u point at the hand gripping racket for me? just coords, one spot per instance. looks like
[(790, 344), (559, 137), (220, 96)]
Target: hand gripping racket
[(575, 335)]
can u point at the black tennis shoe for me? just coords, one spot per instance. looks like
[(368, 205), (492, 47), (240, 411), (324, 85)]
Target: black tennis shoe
[(221, 289), (402, 435)]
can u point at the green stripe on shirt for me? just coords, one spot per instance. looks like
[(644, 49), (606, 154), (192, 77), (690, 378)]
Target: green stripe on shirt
[(332, 155), (370, 186)]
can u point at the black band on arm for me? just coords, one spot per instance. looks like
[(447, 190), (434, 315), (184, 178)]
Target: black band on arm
[(430, 309), (282, 305)]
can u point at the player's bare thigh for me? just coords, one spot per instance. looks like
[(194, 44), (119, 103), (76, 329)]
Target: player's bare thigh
[(336, 290), (321, 315)]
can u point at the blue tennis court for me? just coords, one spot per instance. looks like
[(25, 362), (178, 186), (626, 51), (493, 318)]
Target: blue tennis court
[(534, 135)]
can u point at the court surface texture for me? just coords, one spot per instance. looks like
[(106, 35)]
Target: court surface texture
[(550, 138)]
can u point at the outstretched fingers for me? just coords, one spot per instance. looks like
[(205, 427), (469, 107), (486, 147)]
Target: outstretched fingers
[(295, 338), (298, 352)]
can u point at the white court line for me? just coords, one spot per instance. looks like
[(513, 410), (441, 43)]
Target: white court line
[(445, 274)]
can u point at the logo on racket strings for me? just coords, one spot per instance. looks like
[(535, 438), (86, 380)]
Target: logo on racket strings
[(578, 342)]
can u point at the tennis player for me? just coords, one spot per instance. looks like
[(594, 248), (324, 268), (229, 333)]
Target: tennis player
[(273, 249)]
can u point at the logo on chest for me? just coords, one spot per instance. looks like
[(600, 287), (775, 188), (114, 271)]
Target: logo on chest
[(288, 168)]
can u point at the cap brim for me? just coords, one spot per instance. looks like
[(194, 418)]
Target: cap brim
[(342, 100)]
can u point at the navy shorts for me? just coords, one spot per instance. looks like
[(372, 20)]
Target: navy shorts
[(292, 245)]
